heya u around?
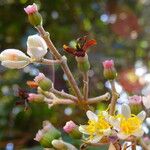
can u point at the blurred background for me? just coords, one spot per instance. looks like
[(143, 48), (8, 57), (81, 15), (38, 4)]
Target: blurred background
[(122, 31)]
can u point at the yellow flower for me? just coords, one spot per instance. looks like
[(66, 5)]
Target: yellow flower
[(128, 124), (97, 127)]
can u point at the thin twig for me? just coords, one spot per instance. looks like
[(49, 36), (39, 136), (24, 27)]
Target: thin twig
[(48, 62), (64, 65), (85, 85), (63, 94), (98, 99)]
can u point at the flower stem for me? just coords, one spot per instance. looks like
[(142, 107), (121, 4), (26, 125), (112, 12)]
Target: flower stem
[(64, 64), (113, 99), (144, 146), (86, 85)]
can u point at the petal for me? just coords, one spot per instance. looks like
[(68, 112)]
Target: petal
[(107, 132), (122, 136), (146, 101), (142, 115), (36, 41), (125, 110), (96, 139), (14, 64), (89, 44), (36, 52), (82, 129), (139, 133), (115, 123), (91, 115)]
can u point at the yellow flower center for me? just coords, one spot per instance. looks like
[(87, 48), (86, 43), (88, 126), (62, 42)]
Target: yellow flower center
[(130, 125), (97, 127)]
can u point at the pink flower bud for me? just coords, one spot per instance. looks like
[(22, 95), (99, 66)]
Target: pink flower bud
[(109, 70), (70, 125), (108, 64), (31, 9), (135, 99), (35, 97)]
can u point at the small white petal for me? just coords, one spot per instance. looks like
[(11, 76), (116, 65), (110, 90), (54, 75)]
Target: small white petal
[(146, 101), (96, 139), (125, 110), (142, 115), (36, 52), (115, 123), (122, 136), (139, 133), (91, 115), (15, 64), (82, 129), (107, 132)]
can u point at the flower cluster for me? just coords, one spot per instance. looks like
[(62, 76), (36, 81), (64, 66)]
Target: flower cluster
[(123, 125)]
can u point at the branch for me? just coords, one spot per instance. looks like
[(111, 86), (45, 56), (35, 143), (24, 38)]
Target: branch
[(86, 85), (63, 94), (64, 65), (98, 99), (48, 62)]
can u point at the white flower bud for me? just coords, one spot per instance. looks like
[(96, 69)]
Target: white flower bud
[(14, 59), (146, 101), (36, 47)]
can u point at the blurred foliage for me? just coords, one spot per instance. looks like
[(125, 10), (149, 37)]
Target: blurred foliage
[(121, 29)]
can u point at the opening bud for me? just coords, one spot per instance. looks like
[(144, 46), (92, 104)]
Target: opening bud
[(34, 16), (43, 82), (35, 97), (72, 129), (46, 135), (14, 59), (109, 70)]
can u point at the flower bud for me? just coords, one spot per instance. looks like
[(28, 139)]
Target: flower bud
[(46, 135), (135, 104), (109, 70), (35, 97), (61, 145), (14, 59), (36, 47), (44, 83), (83, 63), (72, 129), (34, 16)]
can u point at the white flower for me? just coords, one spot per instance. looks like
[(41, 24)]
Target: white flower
[(36, 47), (14, 59), (97, 126), (146, 101), (128, 124)]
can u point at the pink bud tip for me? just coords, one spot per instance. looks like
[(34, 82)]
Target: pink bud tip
[(135, 99), (31, 9), (32, 97), (70, 125), (40, 77), (108, 64)]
